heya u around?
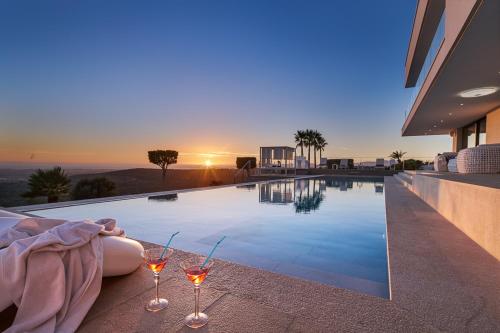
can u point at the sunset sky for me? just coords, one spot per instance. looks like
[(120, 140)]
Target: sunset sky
[(102, 82)]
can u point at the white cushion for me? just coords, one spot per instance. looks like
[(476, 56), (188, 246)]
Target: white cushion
[(121, 255)]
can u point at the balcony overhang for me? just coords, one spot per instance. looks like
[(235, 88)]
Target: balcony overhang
[(473, 62), (426, 21)]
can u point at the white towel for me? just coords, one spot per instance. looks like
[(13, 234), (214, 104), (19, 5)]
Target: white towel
[(52, 271)]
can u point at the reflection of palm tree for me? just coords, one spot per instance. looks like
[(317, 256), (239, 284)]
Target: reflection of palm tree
[(306, 203)]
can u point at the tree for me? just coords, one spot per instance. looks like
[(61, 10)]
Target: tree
[(321, 144), (50, 183), (163, 158), (316, 137), (309, 142), (300, 139), (93, 188), (398, 155)]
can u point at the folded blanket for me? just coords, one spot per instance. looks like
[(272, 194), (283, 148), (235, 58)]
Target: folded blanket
[(52, 270)]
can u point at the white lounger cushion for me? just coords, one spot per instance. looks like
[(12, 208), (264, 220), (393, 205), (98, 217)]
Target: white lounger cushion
[(121, 255)]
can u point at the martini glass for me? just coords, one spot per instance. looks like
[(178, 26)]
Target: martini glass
[(155, 262), (196, 274)]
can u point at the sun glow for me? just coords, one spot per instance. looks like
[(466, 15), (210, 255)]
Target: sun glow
[(208, 163)]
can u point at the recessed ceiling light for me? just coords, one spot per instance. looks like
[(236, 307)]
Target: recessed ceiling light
[(430, 129), (478, 92), (442, 120), (449, 114), (434, 126), (461, 104)]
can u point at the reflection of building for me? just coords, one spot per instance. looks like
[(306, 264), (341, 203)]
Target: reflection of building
[(249, 187), (276, 193), (341, 184)]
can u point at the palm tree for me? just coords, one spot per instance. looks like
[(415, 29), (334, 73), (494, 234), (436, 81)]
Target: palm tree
[(50, 183), (300, 138), (309, 142), (316, 137), (321, 144), (398, 155)]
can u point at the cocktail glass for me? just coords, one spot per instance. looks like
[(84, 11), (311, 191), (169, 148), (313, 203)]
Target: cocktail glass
[(196, 274), (155, 262)]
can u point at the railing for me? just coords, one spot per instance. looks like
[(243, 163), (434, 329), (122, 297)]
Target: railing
[(436, 43), (245, 166)]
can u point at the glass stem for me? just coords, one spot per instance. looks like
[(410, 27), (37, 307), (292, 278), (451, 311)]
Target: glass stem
[(196, 301), (157, 282)]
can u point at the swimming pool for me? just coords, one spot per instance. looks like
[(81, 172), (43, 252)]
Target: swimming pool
[(326, 229)]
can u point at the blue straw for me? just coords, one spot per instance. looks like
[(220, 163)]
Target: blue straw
[(166, 246), (212, 252)]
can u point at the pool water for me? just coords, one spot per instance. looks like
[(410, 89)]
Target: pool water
[(326, 229)]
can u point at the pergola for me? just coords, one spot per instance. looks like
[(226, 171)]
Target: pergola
[(277, 159)]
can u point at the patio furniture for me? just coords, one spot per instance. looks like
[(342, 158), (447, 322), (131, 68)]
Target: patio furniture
[(452, 165), (441, 161), (480, 159)]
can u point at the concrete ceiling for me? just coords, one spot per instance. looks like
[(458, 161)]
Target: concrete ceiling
[(474, 63)]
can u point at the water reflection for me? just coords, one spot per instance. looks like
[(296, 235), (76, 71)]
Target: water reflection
[(164, 197), (307, 194), (279, 193)]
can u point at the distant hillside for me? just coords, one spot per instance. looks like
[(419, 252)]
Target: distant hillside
[(130, 181)]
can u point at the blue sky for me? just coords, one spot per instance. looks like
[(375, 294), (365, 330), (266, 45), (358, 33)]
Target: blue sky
[(104, 81)]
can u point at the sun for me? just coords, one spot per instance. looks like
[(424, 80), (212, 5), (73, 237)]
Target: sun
[(208, 163)]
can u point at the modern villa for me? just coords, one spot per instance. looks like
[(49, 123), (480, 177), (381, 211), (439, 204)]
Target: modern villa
[(453, 66), (334, 249)]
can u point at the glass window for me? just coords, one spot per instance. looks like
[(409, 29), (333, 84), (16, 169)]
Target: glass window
[(470, 135), (482, 131)]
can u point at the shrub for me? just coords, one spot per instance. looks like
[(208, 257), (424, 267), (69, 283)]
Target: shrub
[(93, 188), (412, 164), (50, 183), (241, 161)]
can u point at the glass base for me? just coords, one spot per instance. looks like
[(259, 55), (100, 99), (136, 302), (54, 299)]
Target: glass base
[(154, 306), (196, 322)]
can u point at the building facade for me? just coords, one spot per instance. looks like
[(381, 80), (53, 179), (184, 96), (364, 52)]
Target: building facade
[(453, 68)]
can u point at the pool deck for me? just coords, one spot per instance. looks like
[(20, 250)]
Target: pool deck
[(440, 281)]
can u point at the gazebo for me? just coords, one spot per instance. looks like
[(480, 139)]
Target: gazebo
[(277, 160)]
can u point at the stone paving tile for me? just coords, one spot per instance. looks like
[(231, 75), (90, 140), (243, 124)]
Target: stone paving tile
[(234, 314), (437, 272), (131, 316)]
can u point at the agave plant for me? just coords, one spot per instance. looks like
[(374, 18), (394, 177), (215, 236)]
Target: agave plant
[(50, 183)]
